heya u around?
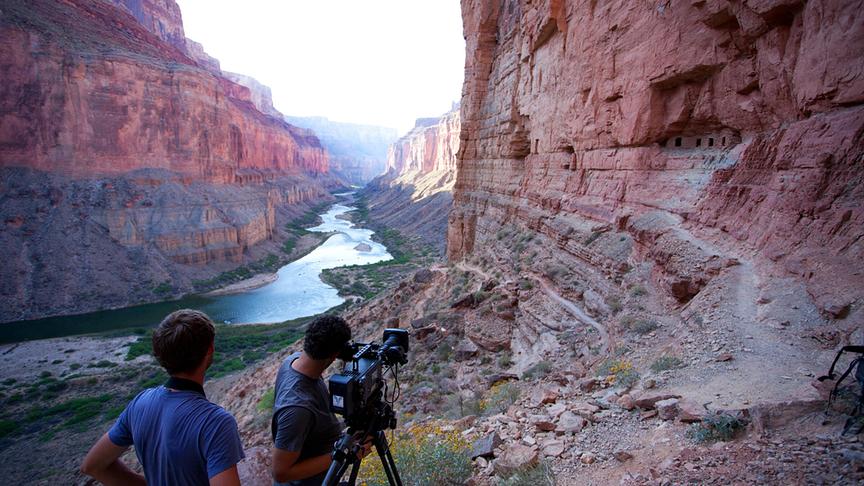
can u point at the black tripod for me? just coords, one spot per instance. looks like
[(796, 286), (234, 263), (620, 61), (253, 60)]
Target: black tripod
[(351, 442), (345, 454)]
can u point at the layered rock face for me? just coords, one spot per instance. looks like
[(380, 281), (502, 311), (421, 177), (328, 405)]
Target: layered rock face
[(688, 135), (81, 96), (415, 194), (123, 140), (358, 153), (259, 94)]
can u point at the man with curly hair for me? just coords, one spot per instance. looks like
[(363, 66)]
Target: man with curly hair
[(304, 429)]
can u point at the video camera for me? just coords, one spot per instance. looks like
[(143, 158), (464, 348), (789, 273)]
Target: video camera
[(357, 392)]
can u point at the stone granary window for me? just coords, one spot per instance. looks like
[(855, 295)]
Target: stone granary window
[(677, 141)]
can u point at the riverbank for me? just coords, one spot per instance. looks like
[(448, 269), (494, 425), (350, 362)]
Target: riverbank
[(244, 285), (358, 283)]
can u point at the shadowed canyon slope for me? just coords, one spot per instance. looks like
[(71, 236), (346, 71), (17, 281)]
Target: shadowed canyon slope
[(122, 141), (737, 123), (414, 195)]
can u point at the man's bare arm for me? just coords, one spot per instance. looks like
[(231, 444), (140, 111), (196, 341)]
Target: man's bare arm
[(286, 468), (103, 464), (228, 477)]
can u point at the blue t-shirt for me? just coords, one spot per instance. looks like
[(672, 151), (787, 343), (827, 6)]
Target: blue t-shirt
[(180, 437)]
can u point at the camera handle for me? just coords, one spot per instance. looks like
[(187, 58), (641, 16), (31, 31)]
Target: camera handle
[(345, 454)]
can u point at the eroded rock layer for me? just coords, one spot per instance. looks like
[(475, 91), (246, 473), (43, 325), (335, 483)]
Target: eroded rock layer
[(685, 134), (87, 90), (122, 144), (415, 194)]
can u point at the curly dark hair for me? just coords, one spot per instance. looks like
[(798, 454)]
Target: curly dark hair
[(182, 339), (326, 336)]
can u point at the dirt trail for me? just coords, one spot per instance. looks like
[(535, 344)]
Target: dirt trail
[(571, 307), (769, 362), (576, 311)]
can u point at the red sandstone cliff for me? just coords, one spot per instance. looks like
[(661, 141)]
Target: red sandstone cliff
[(86, 90), (415, 194), (146, 153), (696, 134)]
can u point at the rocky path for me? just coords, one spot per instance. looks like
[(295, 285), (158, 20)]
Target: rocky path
[(746, 347), (576, 311)]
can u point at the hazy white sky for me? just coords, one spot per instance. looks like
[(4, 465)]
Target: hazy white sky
[(380, 62)]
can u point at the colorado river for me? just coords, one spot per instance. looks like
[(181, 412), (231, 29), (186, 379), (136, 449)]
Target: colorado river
[(297, 292)]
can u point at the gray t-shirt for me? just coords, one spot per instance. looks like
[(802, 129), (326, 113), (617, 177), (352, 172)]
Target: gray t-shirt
[(302, 420)]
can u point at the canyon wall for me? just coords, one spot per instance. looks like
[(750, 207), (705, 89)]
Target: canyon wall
[(687, 135), (121, 139), (414, 195), (358, 153), (83, 96)]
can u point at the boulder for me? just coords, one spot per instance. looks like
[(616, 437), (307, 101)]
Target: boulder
[(552, 447), (588, 385), (625, 401), (622, 455), (465, 350), (516, 457), (689, 412), (556, 410), (485, 446), (667, 409), (569, 422), (587, 458), (648, 402)]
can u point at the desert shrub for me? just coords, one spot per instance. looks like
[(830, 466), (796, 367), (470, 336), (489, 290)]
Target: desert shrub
[(142, 346), (619, 373), (664, 363), (644, 326), (592, 238), (526, 284), (267, 400), (426, 455), (102, 364), (499, 398), (614, 303), (716, 427), (74, 366), (444, 351), (45, 374), (637, 291), (7, 427), (539, 475), (505, 359), (538, 370)]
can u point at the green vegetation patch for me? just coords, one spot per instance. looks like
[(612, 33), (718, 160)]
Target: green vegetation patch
[(425, 455), (664, 363), (717, 427), (539, 475), (237, 346)]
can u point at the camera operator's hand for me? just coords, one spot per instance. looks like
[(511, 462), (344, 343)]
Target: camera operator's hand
[(365, 449)]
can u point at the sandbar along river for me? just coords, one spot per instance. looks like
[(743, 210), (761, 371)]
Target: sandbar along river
[(298, 292)]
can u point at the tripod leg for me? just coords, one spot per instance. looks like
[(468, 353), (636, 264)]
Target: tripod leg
[(355, 469), (335, 473), (387, 459)]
